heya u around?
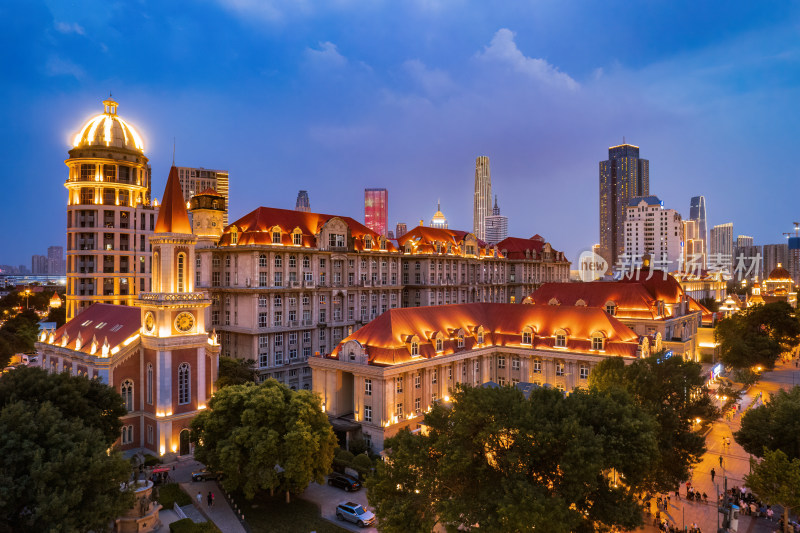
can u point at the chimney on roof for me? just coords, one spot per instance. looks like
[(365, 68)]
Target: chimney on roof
[(421, 222)]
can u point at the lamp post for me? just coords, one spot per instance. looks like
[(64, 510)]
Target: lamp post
[(27, 294)]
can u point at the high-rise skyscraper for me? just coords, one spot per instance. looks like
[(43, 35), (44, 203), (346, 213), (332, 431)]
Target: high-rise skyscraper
[(496, 225), (400, 230), (109, 214), (694, 249), (651, 230), (303, 203), (38, 264), (196, 180), (622, 177), (721, 238), (376, 210), (55, 260), (482, 205), (743, 240), (697, 212)]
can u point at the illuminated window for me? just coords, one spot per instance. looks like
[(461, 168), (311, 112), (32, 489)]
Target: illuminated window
[(126, 390), (417, 405), (181, 272), (561, 340), (527, 337), (398, 410), (598, 342), (559, 368), (439, 345), (414, 348), (184, 384), (398, 384), (537, 366)]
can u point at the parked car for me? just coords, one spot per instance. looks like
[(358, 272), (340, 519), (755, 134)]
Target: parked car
[(355, 513), (343, 481), (205, 475)]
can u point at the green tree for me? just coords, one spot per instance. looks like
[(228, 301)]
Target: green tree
[(265, 437), (96, 404), (774, 425), (18, 334), (58, 472), (757, 336), (776, 480), (547, 462), (234, 371), (709, 303), (57, 315), (670, 390)]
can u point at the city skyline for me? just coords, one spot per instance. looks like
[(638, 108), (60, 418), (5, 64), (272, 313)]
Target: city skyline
[(342, 104)]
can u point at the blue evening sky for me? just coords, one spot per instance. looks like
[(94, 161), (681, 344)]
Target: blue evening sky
[(338, 95)]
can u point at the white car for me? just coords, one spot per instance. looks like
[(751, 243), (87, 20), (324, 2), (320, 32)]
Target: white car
[(354, 512)]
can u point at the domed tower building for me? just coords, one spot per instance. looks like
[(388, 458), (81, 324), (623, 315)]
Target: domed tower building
[(109, 214)]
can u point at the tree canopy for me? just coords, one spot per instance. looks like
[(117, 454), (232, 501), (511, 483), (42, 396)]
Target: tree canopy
[(58, 470), (265, 437), (234, 371), (776, 480), (758, 335), (509, 464), (17, 335), (774, 425), (669, 389)]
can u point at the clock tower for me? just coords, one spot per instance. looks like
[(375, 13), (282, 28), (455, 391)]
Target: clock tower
[(177, 348)]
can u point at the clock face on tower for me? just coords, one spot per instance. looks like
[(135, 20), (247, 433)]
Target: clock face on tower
[(184, 322), (149, 322)]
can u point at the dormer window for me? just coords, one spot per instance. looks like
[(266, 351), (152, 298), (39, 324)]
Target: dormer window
[(527, 337), (460, 340), (414, 349), (367, 242), (553, 301), (297, 238), (439, 344), (276, 236), (561, 338), (611, 308), (598, 341), (234, 235), (480, 337)]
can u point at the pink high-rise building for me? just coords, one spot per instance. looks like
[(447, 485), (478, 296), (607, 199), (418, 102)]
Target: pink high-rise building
[(376, 210)]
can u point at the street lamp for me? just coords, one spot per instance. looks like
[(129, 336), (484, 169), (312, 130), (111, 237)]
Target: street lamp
[(27, 294)]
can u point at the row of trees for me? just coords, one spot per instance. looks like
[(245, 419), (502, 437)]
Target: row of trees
[(551, 462), (758, 336), (58, 470)]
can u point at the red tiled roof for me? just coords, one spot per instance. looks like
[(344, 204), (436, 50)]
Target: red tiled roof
[(385, 338), (172, 216), (256, 228), (116, 323), (425, 238)]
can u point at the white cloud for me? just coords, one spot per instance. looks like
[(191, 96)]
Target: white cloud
[(326, 56), (57, 66), (269, 10), (433, 81), (504, 50), (66, 28)]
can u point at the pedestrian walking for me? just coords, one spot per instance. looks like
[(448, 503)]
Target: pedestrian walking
[(720, 461), (713, 473), (210, 499), (199, 498)]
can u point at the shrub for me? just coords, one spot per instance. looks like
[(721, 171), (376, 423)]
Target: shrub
[(172, 493), (187, 526), (150, 460), (358, 445), (362, 463)]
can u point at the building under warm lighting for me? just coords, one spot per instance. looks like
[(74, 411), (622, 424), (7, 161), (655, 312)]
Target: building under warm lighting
[(482, 202), (286, 284), (779, 286), (157, 355), (653, 305), (386, 375), (437, 221), (654, 232), (109, 214)]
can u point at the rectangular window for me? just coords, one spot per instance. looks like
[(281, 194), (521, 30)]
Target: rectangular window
[(278, 359), (417, 381), (501, 361), (559, 368), (417, 403), (263, 360), (262, 320), (435, 376), (584, 371), (398, 410), (537, 366), (367, 413), (279, 339), (515, 363), (398, 384), (367, 387)]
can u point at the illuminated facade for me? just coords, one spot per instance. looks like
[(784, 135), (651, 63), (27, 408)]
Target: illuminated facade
[(721, 244), (779, 286), (529, 263), (651, 306), (158, 355), (385, 376), (622, 177), (697, 213), (482, 203), (376, 210), (109, 214), (196, 180), (694, 248), (438, 220), (287, 284), (653, 231)]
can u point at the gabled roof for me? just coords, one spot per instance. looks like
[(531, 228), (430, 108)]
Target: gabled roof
[(385, 338), (425, 238), (256, 226), (172, 216), (116, 323), (516, 248)]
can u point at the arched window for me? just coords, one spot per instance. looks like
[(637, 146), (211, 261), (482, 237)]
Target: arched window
[(149, 383), (598, 341), (184, 384), (126, 390), (561, 338), (611, 308), (262, 261), (127, 434), (155, 269), (181, 282)]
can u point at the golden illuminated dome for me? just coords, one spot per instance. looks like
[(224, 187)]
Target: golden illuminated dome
[(780, 274), (108, 129)]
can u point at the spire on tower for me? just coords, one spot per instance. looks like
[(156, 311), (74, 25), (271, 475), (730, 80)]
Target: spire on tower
[(172, 216)]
